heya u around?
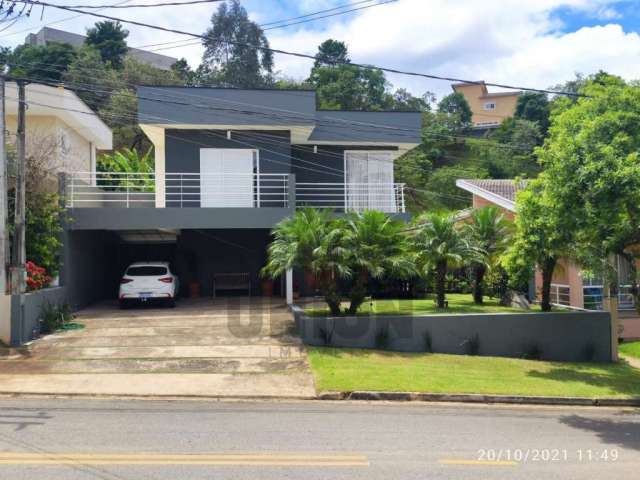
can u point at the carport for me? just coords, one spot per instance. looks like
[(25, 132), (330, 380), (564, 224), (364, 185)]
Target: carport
[(94, 260)]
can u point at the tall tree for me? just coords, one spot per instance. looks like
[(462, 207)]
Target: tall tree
[(110, 39), (542, 237), (331, 52), (591, 163), (235, 49)]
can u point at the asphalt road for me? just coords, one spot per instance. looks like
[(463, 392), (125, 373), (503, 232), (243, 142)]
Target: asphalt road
[(104, 439)]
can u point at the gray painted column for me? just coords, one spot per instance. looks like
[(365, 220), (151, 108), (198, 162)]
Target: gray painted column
[(291, 185)]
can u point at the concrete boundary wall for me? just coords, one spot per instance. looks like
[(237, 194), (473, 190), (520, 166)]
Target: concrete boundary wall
[(560, 336), (29, 328)]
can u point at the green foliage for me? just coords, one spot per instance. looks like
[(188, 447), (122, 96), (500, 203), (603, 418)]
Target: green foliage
[(535, 108), (440, 244), (457, 109), (442, 190), (184, 73), (592, 171), (41, 62), (331, 52), (96, 78), (542, 237), (54, 317), (126, 161), (226, 61), (310, 240), (490, 232), (110, 39), (43, 231), (376, 248)]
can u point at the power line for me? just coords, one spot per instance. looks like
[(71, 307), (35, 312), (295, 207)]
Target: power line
[(338, 7), (145, 5), (329, 15), (302, 55)]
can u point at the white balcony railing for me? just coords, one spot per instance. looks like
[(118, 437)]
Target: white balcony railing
[(176, 190), (130, 190), (386, 197), (560, 294)]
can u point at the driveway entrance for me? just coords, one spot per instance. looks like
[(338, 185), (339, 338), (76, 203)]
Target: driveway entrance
[(223, 347)]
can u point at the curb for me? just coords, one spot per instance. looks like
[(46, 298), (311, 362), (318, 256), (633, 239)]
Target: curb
[(475, 398)]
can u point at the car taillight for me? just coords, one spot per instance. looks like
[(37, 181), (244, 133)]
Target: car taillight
[(166, 279), (125, 280)]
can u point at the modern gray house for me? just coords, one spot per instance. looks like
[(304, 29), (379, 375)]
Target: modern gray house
[(229, 165)]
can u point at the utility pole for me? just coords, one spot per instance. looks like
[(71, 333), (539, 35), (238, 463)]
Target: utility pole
[(18, 252), (3, 189)]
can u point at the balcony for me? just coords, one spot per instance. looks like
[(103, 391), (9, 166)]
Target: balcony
[(225, 191)]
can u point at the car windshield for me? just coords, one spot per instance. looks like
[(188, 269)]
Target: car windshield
[(146, 271)]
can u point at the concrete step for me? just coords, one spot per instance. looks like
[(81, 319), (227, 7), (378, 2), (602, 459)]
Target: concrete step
[(172, 352), (144, 366), (195, 339)]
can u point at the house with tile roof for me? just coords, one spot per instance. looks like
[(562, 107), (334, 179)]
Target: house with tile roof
[(489, 109), (570, 287)]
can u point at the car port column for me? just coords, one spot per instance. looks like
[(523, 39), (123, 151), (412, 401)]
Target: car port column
[(289, 286)]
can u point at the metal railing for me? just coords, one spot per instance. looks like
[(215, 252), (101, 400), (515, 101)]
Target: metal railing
[(127, 190), (593, 295), (560, 294), (386, 197)]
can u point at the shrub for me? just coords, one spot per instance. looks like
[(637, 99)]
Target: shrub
[(471, 345), (37, 277), (533, 352), (428, 342), (382, 338), (54, 317)]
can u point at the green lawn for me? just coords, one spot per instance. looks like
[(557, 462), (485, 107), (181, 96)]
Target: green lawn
[(458, 303), (352, 369), (631, 349)]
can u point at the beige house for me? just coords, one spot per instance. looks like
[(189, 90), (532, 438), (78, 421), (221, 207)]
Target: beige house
[(489, 109), (59, 126), (63, 131), (569, 286)]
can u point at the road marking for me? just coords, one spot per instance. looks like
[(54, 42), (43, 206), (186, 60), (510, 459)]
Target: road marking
[(23, 458), (497, 463)]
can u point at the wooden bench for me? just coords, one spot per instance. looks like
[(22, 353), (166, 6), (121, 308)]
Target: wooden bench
[(231, 281)]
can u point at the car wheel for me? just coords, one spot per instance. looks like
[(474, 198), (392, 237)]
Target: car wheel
[(123, 304)]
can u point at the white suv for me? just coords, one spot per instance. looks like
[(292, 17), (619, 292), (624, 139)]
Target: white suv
[(146, 281)]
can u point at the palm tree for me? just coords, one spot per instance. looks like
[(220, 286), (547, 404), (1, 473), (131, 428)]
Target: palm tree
[(490, 232), (440, 244), (310, 240), (377, 247)]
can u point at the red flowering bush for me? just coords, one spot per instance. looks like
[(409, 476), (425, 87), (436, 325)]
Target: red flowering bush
[(37, 277)]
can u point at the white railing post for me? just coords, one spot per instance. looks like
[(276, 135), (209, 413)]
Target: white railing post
[(126, 179), (72, 177)]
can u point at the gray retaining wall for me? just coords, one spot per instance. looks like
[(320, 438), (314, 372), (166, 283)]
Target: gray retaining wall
[(29, 328), (561, 336)]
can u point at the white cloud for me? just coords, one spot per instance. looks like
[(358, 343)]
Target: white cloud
[(518, 42), (504, 41)]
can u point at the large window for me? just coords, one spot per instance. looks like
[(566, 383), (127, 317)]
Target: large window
[(369, 180), (227, 177)]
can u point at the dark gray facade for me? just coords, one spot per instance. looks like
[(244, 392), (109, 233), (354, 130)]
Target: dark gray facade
[(562, 336)]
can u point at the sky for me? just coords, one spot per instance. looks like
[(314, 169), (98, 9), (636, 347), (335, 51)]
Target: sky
[(531, 43)]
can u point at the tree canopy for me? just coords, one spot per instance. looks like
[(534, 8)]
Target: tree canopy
[(229, 58), (110, 39)]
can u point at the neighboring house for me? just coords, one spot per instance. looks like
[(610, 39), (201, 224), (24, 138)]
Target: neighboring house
[(48, 34), (569, 286), (59, 127), (229, 165), (489, 109)]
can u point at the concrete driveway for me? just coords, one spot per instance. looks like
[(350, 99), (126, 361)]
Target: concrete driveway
[(228, 347)]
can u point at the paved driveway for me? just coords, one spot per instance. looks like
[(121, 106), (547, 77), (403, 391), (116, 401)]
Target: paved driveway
[(224, 347)]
